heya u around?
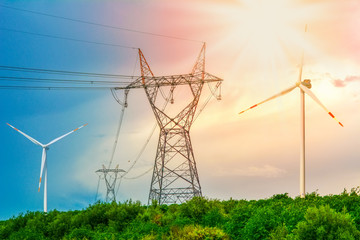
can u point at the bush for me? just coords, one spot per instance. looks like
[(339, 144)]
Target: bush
[(238, 219), (198, 233), (260, 224), (81, 234), (325, 223), (279, 233), (213, 218), (26, 234), (195, 209)]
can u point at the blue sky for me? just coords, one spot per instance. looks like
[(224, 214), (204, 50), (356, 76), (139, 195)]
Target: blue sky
[(256, 52), (45, 115)]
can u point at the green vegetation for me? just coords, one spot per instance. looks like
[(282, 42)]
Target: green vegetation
[(279, 217)]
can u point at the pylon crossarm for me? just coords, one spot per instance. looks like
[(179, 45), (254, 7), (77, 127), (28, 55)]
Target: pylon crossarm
[(176, 80)]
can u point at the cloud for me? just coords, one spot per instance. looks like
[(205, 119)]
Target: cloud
[(266, 171), (343, 83)]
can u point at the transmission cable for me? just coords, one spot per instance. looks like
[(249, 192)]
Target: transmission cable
[(140, 175), (124, 105), (97, 189), (93, 84), (66, 38), (63, 72), (57, 80), (50, 88), (98, 24)]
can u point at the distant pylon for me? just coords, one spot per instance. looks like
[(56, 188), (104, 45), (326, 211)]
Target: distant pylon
[(110, 176)]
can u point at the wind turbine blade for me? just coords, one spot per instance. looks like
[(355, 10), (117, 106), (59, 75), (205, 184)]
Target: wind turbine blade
[(43, 160), (57, 139), (302, 61), (301, 67), (27, 136), (312, 95), (270, 98)]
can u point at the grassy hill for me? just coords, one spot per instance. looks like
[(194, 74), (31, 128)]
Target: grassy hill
[(279, 217)]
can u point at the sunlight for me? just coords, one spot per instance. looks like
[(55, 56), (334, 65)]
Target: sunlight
[(268, 29)]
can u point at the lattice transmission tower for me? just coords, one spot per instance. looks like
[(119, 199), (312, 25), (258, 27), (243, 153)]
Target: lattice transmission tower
[(110, 175), (175, 178)]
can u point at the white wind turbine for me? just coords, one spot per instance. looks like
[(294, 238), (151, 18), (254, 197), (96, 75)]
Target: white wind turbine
[(304, 87), (45, 147)]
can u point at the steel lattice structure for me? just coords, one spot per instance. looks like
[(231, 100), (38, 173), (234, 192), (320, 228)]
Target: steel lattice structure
[(175, 178), (110, 177)]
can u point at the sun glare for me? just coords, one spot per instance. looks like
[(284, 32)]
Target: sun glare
[(267, 32)]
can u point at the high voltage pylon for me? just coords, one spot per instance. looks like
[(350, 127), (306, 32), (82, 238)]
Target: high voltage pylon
[(110, 177), (175, 178)]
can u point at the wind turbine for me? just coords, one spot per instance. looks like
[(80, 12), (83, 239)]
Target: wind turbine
[(304, 87), (45, 147)]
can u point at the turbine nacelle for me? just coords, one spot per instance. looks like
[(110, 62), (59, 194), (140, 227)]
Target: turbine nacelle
[(307, 83)]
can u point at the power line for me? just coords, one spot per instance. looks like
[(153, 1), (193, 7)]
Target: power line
[(53, 80), (98, 24), (140, 175), (66, 38), (64, 72), (64, 81), (123, 106), (50, 88)]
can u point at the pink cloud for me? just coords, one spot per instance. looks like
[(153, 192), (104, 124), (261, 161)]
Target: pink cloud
[(343, 83)]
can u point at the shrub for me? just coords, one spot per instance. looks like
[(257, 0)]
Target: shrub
[(260, 224), (81, 233), (325, 223), (198, 233)]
